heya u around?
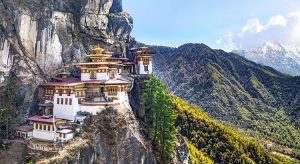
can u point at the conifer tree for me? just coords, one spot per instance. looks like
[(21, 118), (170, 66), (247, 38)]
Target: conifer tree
[(10, 105), (161, 116)]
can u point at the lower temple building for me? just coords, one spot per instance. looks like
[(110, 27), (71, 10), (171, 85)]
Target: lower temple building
[(67, 100)]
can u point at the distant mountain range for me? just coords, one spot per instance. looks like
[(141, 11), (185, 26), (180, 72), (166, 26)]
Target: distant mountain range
[(283, 58), (230, 88)]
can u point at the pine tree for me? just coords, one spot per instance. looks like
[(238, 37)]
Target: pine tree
[(160, 116), (10, 105)]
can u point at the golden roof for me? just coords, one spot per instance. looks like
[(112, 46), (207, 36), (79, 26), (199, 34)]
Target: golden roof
[(100, 51), (99, 63)]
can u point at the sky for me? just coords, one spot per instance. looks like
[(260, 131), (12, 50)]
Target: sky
[(228, 25)]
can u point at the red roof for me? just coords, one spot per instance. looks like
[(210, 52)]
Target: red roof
[(43, 120), (65, 83), (25, 128), (69, 79), (93, 82), (74, 83)]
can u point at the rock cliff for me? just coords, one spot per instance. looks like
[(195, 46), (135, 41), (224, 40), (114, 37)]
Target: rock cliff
[(37, 37), (110, 137)]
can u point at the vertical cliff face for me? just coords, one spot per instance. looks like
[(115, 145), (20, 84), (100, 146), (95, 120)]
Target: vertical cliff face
[(37, 37)]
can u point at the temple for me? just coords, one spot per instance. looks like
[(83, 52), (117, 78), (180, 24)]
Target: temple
[(67, 100), (143, 60)]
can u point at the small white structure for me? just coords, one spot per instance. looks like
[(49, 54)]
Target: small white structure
[(44, 127), (25, 131), (143, 58), (65, 135)]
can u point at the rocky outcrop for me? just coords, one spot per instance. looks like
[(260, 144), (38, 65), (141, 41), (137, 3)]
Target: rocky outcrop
[(42, 35), (38, 37), (110, 137), (136, 96)]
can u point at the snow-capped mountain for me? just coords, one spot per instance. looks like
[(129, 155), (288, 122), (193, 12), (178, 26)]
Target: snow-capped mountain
[(284, 58)]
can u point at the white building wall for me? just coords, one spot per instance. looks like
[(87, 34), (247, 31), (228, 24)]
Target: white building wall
[(142, 68), (48, 101), (150, 67), (44, 135), (68, 137), (29, 134), (122, 96), (65, 111), (102, 76), (119, 72), (92, 109), (85, 76)]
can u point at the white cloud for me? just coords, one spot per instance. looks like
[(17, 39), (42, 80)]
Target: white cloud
[(252, 25), (294, 14), (277, 20), (228, 39), (279, 28), (219, 41)]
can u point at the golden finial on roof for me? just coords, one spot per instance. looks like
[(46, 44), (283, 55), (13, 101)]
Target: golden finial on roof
[(98, 49)]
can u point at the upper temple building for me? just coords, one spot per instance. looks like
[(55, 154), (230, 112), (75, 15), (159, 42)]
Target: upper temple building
[(102, 84), (143, 60)]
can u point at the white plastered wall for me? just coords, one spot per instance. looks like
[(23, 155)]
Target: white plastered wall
[(64, 111)]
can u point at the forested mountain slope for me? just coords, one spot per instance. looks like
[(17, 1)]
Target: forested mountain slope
[(212, 142), (259, 99)]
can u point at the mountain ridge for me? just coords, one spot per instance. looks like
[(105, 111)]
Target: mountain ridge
[(231, 88), (284, 58)]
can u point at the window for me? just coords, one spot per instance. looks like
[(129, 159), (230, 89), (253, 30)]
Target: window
[(57, 101), (70, 101), (112, 91), (36, 126), (64, 135), (93, 75), (45, 127), (52, 128), (62, 101), (146, 68), (49, 128), (66, 101), (40, 125)]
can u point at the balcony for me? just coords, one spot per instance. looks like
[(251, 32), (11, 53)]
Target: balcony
[(98, 102)]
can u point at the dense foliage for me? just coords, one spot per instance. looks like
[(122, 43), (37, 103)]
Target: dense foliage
[(160, 116), (196, 156), (296, 153), (262, 101), (220, 143), (10, 103)]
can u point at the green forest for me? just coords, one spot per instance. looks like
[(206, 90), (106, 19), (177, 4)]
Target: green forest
[(217, 142), (261, 101), (160, 117), (208, 141), (10, 106)]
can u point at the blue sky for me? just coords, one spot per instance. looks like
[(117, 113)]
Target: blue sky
[(228, 25)]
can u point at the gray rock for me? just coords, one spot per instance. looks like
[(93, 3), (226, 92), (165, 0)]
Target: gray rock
[(39, 37)]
